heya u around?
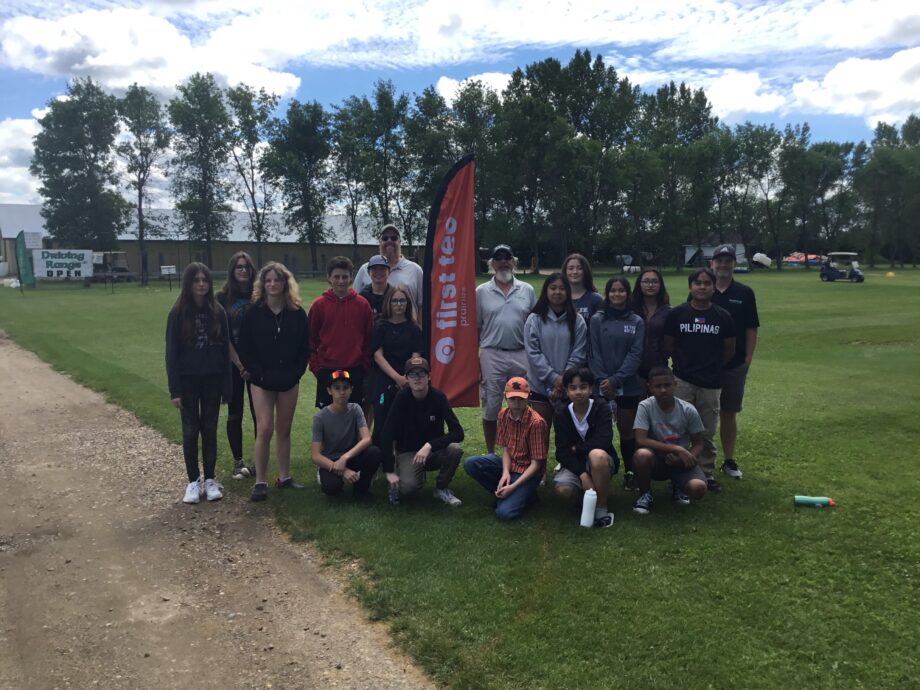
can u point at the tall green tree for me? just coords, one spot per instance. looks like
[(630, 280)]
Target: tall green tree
[(298, 161), (250, 113), (201, 127), (144, 119), (429, 153), (385, 175), (74, 160), (474, 112), (353, 147)]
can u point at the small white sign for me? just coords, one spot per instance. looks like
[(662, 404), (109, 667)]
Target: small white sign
[(167, 270), (59, 264), (33, 240)]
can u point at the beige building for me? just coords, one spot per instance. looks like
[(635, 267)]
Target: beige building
[(284, 246)]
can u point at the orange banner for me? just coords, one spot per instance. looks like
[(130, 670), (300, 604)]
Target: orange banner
[(450, 289)]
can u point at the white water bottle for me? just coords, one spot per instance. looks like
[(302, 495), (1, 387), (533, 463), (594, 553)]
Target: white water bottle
[(588, 504)]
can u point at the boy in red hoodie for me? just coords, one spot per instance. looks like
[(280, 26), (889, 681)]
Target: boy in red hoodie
[(341, 322)]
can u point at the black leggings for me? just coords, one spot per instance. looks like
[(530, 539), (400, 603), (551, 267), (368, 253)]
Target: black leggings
[(200, 397), (241, 389), (366, 463)]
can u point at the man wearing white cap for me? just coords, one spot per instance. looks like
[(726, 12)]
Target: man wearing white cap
[(502, 307)]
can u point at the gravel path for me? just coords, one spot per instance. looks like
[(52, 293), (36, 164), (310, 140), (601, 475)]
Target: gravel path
[(107, 580)]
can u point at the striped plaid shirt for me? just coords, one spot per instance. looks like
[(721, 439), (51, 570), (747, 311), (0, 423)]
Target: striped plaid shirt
[(524, 439)]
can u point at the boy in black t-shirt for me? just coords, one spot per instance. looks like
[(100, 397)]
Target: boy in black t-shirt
[(700, 337)]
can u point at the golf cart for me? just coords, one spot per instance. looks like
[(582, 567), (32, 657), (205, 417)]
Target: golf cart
[(111, 267), (834, 265)]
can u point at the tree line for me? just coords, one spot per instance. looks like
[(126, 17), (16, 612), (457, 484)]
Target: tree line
[(569, 158)]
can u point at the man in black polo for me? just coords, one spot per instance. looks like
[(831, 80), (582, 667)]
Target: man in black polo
[(739, 301)]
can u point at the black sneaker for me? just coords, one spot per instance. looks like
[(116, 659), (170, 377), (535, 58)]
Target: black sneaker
[(713, 486), (678, 497), (731, 469), (259, 492), (288, 483), (629, 481)]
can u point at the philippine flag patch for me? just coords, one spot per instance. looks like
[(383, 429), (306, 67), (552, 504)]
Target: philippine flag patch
[(699, 319)]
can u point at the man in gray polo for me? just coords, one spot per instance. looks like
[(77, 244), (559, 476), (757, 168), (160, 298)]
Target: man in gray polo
[(402, 271), (502, 307)]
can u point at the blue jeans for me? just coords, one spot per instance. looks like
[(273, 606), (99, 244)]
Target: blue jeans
[(487, 470)]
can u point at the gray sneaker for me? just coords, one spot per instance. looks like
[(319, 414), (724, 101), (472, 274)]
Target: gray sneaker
[(448, 497), (239, 470), (678, 497)]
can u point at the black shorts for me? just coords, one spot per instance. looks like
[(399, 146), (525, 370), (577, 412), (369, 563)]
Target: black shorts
[(628, 402), (324, 380)]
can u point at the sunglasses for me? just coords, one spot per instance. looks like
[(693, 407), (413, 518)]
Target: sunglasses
[(390, 238), (502, 257), (340, 374)]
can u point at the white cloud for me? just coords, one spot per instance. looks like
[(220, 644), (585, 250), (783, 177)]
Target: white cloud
[(735, 94), (495, 81), (17, 186), (884, 89)]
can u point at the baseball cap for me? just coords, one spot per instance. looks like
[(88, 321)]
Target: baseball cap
[(517, 387), (388, 226), (725, 250), (417, 363), (502, 248), (377, 260)]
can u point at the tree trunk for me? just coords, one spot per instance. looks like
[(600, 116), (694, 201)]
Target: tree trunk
[(140, 234)]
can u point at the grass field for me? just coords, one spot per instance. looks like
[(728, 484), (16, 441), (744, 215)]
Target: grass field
[(739, 590)]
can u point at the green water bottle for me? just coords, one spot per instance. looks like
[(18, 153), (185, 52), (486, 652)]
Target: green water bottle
[(813, 502)]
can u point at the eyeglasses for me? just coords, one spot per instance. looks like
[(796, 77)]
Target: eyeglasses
[(398, 300), (390, 238), (243, 267), (651, 282)]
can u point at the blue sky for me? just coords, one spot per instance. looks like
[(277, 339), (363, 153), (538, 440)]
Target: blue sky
[(841, 65)]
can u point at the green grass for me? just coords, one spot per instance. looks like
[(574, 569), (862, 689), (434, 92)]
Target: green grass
[(740, 590)]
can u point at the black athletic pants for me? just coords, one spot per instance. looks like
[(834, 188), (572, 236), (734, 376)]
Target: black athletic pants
[(366, 463), (241, 389), (200, 397)]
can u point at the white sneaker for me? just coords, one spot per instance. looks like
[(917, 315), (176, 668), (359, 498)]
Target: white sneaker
[(447, 496), (212, 490), (192, 492)]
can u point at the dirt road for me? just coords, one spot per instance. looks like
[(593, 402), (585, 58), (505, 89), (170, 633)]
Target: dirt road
[(107, 580)]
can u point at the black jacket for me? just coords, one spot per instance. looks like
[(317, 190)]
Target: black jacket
[(274, 349), (412, 423), (201, 358), (571, 450)]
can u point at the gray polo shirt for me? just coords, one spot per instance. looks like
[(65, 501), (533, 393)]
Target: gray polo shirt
[(406, 273), (501, 318)]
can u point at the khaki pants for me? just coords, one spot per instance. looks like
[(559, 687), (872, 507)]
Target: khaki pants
[(412, 476), (706, 402)]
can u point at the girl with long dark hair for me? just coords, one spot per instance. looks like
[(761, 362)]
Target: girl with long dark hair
[(556, 339), (236, 297), (274, 349), (650, 300), (198, 374), (617, 341)]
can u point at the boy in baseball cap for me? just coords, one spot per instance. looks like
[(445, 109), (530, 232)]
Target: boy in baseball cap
[(515, 476)]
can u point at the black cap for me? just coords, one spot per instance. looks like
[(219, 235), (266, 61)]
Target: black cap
[(502, 248)]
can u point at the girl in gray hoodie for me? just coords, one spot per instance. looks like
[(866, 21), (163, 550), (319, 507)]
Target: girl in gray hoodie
[(617, 340), (556, 339)]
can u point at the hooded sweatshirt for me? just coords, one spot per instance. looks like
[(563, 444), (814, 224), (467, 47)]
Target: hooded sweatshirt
[(550, 350), (340, 331), (617, 340)]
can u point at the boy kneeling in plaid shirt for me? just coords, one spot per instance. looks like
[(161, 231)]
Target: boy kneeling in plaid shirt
[(515, 476)]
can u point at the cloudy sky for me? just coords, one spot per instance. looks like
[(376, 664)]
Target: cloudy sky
[(841, 65)]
